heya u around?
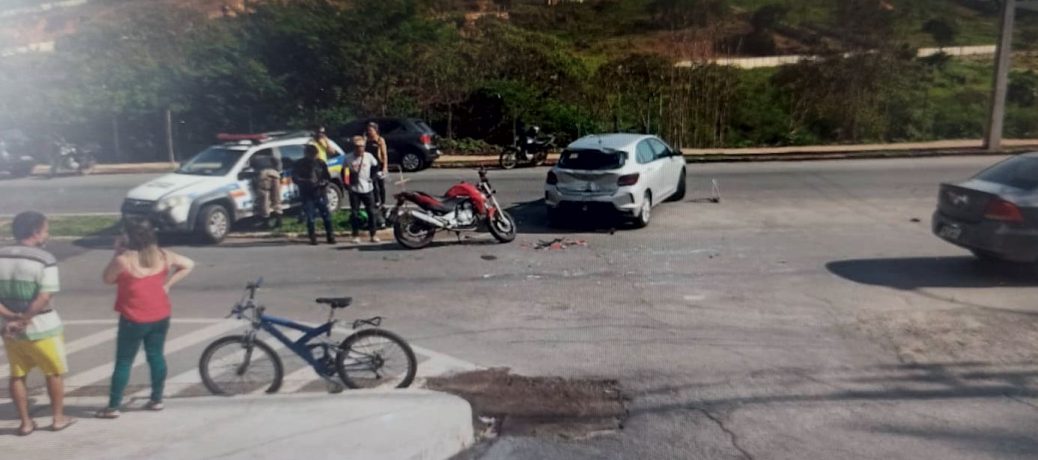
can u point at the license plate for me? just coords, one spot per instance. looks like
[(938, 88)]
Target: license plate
[(950, 231)]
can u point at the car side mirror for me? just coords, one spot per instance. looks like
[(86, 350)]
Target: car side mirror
[(246, 174)]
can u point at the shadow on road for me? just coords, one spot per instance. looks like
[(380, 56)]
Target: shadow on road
[(531, 218), (935, 272)]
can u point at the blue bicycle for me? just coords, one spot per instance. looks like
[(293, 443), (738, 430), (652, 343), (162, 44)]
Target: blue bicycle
[(368, 358)]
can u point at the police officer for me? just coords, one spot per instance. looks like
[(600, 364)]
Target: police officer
[(267, 182)]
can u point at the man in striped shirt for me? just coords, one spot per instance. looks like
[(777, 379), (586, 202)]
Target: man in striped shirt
[(32, 331)]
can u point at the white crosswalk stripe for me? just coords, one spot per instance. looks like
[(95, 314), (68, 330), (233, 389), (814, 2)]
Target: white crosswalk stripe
[(299, 376), (76, 345), (104, 371)]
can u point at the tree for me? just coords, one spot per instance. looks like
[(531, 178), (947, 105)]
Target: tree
[(679, 14), (863, 97), (448, 75)]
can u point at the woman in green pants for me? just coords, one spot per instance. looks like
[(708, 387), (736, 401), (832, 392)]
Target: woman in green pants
[(143, 273)]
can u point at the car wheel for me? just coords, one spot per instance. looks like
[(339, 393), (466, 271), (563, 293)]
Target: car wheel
[(680, 193), (214, 223), (333, 194), (645, 213), (411, 162)]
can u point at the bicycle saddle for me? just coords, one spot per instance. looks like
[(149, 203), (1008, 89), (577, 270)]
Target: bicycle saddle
[(336, 302)]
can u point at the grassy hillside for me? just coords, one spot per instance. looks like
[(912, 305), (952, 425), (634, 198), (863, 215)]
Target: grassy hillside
[(727, 27)]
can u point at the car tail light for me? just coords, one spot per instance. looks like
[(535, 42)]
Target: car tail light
[(552, 178), (627, 180), (999, 209), (426, 139)]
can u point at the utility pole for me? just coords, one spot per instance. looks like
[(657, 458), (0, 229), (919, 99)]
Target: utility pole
[(1003, 56), (169, 136)]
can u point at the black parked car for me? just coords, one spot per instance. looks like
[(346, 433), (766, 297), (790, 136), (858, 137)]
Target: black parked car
[(994, 214), (410, 141)]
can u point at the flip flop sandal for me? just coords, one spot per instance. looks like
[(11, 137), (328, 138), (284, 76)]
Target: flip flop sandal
[(68, 422), (33, 430), (108, 413)]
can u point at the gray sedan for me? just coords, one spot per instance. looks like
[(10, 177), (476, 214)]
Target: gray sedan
[(994, 214)]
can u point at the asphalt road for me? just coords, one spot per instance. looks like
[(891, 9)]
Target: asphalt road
[(104, 193), (809, 315)]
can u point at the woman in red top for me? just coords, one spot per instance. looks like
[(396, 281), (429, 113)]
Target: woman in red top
[(143, 273)]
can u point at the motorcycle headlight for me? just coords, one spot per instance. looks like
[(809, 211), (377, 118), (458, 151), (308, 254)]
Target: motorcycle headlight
[(173, 202)]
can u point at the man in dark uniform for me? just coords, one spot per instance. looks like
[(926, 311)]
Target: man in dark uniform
[(311, 175)]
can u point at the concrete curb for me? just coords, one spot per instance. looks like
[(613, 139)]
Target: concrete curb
[(384, 234), (864, 155), (391, 424)]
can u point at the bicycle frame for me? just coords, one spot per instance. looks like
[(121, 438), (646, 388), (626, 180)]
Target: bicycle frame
[(262, 321), (299, 347)]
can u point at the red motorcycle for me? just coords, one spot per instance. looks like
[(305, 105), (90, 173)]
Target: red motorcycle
[(464, 208)]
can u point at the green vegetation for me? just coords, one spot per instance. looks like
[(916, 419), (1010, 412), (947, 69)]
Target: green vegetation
[(575, 68), (72, 226), (340, 222)]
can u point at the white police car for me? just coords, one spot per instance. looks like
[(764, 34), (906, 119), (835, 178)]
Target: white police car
[(211, 192)]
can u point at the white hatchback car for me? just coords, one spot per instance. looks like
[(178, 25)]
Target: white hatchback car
[(625, 173)]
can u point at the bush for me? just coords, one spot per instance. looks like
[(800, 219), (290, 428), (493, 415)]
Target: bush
[(467, 146)]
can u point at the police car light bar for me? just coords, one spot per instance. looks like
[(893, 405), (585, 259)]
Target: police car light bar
[(229, 137)]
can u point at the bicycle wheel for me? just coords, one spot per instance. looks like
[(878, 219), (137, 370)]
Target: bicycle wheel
[(236, 365), (376, 358)]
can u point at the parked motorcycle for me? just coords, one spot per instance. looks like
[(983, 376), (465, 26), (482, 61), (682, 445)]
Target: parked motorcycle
[(531, 149), (74, 159), (464, 209)]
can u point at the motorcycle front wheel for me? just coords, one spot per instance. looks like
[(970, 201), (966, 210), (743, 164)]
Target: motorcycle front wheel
[(502, 226), (412, 233), (509, 159)]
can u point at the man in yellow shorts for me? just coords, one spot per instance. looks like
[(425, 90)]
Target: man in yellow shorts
[(31, 329)]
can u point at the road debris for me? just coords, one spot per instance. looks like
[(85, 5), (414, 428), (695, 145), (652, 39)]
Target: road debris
[(557, 244), (488, 257)]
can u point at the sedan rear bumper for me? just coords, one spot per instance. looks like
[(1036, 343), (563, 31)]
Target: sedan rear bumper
[(1006, 242), (622, 201)]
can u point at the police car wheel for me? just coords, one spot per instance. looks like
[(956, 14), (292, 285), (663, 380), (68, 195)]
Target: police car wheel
[(214, 223), (334, 196)]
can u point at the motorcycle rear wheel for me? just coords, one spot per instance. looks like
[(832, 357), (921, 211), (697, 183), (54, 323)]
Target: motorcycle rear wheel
[(412, 233)]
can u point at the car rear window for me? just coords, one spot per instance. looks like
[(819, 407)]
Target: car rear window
[(591, 160), (1019, 172), (424, 127)]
